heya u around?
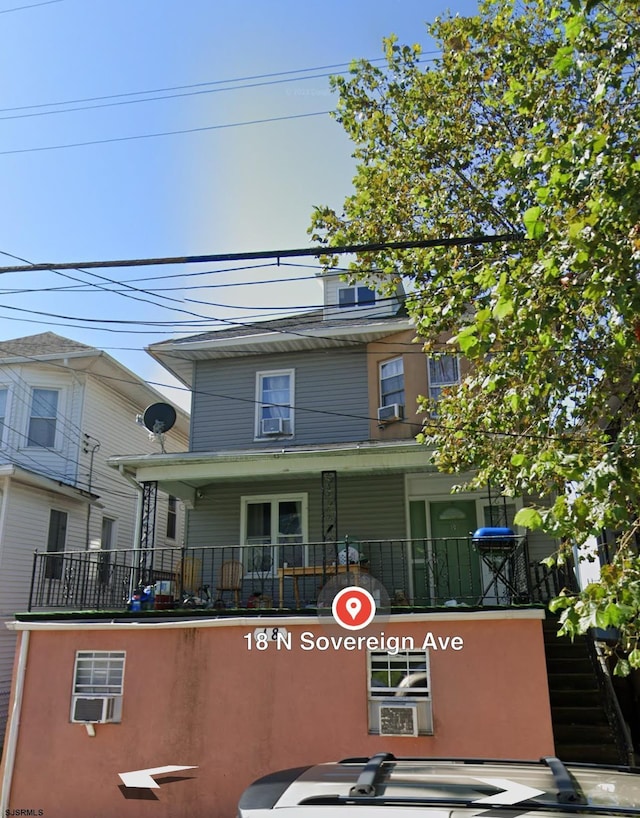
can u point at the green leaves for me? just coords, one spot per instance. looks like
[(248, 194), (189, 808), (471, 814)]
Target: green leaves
[(528, 518), (533, 222), (527, 122)]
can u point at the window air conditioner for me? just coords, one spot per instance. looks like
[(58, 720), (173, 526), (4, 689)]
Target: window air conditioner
[(93, 709), (272, 426), (391, 412), (398, 720)]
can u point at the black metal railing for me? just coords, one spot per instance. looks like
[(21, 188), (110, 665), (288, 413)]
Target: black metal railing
[(413, 573), (548, 582), (617, 722)]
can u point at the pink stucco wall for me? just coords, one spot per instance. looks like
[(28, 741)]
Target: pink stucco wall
[(197, 696)]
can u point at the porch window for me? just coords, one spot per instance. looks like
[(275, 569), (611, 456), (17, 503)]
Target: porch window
[(399, 692), (392, 382), (274, 404), (43, 418), (275, 529), (444, 371)]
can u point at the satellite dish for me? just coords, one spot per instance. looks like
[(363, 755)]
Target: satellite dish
[(159, 418)]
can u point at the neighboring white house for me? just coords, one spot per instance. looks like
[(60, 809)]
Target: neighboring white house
[(64, 409)]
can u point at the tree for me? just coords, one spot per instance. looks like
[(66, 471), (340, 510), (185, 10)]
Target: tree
[(527, 122)]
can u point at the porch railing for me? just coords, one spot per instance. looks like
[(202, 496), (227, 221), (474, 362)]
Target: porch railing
[(414, 573)]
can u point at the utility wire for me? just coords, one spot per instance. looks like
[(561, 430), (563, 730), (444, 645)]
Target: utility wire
[(246, 79), (422, 423), (371, 247), (31, 6), (163, 133)]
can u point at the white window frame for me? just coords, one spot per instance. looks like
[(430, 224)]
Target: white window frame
[(438, 386), (260, 404), (416, 661), (108, 663), (355, 289), (56, 434), (274, 499), (384, 396)]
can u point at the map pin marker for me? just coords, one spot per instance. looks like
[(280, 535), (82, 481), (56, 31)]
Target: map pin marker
[(353, 606)]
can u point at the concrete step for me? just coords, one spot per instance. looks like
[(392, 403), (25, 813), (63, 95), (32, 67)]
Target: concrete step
[(593, 754), (583, 734), (573, 714), (568, 697)]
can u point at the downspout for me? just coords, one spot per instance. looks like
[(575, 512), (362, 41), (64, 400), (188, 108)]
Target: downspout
[(137, 537), (14, 724)]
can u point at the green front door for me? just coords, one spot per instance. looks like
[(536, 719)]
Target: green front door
[(455, 564)]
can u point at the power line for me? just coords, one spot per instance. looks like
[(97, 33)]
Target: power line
[(160, 94), (371, 247), (424, 423), (30, 6), (160, 98), (163, 133), (183, 87)]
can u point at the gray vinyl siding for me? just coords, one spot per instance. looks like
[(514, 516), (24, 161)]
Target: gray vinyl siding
[(330, 399), (370, 509)]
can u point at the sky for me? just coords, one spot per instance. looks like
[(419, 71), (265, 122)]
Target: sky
[(136, 129)]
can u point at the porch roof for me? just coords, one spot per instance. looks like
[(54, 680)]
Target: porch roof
[(183, 474)]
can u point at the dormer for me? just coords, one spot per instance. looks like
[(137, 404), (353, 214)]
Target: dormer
[(343, 299)]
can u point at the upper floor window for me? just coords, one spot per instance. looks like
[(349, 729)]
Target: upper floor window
[(43, 418), (391, 375), (392, 382), (4, 394), (274, 415), (444, 370), (355, 296)]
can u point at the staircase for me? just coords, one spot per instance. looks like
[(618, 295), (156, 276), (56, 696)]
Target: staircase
[(581, 728)]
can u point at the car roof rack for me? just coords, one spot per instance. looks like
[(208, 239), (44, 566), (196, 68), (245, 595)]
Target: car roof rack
[(568, 792), (369, 777)]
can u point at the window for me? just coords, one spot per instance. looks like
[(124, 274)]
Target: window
[(274, 404), (172, 517), (56, 540), (275, 527), (355, 297), (98, 675), (392, 382), (106, 544), (4, 394), (444, 370), (42, 418), (399, 692)]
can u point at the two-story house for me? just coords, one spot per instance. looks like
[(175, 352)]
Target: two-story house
[(303, 441), (303, 476), (66, 407)]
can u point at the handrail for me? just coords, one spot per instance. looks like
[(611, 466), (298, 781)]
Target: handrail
[(417, 572), (615, 717)]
